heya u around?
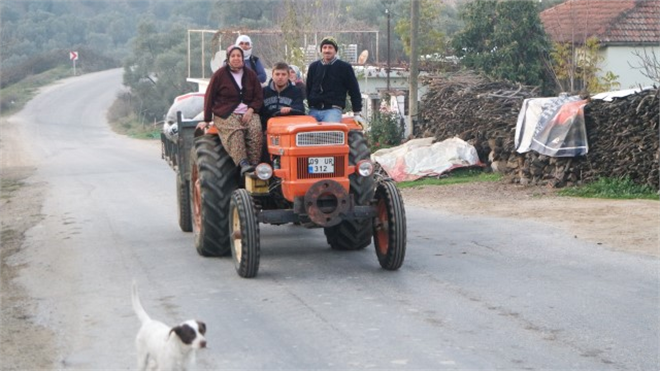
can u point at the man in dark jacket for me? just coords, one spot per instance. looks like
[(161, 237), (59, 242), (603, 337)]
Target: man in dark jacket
[(328, 81), (281, 96)]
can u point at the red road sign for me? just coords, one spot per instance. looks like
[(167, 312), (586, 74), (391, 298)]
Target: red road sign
[(73, 56)]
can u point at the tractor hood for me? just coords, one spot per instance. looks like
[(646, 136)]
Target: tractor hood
[(294, 124)]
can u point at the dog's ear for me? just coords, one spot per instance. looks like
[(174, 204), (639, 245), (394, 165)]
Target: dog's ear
[(186, 333), (202, 327)]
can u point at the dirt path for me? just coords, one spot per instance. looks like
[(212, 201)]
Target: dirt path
[(626, 225), (21, 200)]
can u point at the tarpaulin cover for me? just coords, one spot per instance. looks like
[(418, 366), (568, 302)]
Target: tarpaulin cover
[(552, 126), (190, 105), (608, 96), (419, 158)]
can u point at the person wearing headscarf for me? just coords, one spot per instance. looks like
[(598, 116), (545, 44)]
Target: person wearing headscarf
[(232, 102), (251, 61), (296, 78), (329, 79)]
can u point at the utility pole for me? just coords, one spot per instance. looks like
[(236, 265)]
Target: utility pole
[(414, 67), (387, 11)]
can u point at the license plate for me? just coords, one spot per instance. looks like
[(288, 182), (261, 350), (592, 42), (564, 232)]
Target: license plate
[(321, 165)]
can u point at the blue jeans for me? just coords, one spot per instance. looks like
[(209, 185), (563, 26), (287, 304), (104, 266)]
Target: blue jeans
[(326, 115)]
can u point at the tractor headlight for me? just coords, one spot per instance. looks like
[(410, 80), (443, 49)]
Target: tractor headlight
[(365, 168), (264, 171)]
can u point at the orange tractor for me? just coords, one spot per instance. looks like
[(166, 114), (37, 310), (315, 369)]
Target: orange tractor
[(319, 176)]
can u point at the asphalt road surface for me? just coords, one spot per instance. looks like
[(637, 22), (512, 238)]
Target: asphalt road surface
[(473, 293)]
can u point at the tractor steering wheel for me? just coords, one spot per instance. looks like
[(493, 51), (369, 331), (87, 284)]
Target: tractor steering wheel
[(293, 112)]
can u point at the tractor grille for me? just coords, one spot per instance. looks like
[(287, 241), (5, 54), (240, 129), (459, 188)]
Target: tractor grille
[(320, 138), (303, 172)]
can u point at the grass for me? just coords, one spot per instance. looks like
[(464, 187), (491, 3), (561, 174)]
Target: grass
[(621, 189), (458, 176), (131, 127), (124, 121), (14, 97)]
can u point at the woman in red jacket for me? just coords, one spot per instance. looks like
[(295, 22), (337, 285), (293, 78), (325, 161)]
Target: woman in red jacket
[(233, 98)]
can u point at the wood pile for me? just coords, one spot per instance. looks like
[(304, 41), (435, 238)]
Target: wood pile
[(479, 111), (623, 139), (622, 134)]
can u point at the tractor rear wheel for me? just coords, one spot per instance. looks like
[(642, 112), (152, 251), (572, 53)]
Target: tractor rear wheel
[(244, 232), (355, 234), (213, 178), (389, 226), (183, 200)]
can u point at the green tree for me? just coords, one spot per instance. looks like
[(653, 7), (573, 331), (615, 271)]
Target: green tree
[(432, 39), (368, 11), (156, 71), (246, 14), (503, 39)]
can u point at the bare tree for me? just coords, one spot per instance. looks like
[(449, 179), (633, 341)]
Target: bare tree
[(647, 63)]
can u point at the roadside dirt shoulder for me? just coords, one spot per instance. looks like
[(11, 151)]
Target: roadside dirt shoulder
[(626, 225), (21, 200)]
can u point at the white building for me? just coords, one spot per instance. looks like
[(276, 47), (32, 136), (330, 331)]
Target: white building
[(625, 29)]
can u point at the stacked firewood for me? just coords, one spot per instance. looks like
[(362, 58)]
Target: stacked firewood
[(479, 111), (623, 138), (622, 134)]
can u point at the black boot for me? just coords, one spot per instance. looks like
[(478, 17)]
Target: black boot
[(245, 167)]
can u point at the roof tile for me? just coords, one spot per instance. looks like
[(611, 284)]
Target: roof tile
[(611, 21)]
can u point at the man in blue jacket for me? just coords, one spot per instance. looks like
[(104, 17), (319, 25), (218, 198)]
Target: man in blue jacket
[(328, 81), (281, 96)]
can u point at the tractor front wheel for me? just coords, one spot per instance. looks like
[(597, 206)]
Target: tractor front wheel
[(354, 234), (389, 226), (244, 234)]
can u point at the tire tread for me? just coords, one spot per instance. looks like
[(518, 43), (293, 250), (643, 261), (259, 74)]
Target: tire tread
[(217, 174)]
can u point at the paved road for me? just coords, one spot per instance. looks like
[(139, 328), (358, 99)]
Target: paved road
[(473, 293)]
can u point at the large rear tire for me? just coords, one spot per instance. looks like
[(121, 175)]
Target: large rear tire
[(244, 232), (355, 234), (389, 226), (213, 178), (183, 200)]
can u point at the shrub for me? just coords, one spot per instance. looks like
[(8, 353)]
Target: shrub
[(121, 107), (385, 129)]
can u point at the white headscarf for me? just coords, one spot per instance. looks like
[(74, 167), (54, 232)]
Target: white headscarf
[(245, 38), (297, 71)]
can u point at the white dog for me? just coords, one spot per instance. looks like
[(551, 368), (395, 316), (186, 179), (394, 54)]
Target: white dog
[(160, 347)]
